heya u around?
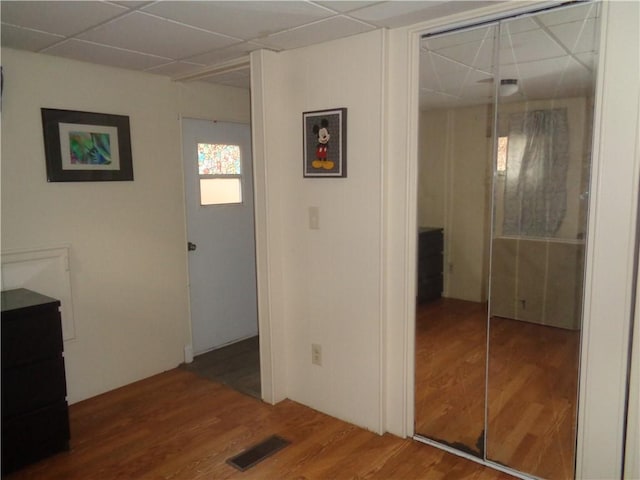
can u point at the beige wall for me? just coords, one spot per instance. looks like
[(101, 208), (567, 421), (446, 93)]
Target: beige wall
[(127, 239), (454, 192), (356, 301), (454, 189), (324, 285), (433, 151)]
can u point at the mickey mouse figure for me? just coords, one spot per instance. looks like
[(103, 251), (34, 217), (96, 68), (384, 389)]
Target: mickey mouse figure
[(321, 148)]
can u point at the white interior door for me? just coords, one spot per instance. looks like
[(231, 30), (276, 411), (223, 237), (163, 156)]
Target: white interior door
[(220, 231)]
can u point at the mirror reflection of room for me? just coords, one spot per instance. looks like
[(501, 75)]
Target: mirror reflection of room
[(540, 222), (506, 113), (454, 200)]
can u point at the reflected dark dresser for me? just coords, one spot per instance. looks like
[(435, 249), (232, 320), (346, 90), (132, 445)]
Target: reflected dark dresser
[(430, 245), (35, 416)]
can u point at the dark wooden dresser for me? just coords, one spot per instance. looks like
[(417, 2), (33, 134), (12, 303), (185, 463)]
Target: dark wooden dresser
[(430, 245), (35, 417)]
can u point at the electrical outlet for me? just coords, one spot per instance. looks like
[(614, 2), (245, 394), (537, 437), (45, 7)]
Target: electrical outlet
[(316, 354)]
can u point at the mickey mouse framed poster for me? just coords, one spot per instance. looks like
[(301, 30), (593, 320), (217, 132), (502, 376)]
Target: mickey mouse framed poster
[(325, 143)]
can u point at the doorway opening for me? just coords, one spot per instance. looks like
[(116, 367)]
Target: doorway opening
[(217, 161)]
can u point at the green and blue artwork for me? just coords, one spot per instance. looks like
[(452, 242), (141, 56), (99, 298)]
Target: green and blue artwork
[(89, 148)]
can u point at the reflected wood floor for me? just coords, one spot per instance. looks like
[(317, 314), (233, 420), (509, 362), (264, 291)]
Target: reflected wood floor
[(533, 389), (178, 425), (451, 340), (533, 373)]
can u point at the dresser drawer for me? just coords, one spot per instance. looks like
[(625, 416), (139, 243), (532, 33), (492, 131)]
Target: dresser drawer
[(430, 241), (33, 386), (429, 288), (30, 338), (30, 437), (430, 265)]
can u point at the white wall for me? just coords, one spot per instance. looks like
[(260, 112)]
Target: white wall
[(326, 284), (632, 460), (127, 255), (610, 246)]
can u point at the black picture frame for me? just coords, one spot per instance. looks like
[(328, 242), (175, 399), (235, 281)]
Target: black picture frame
[(86, 146), (325, 159)]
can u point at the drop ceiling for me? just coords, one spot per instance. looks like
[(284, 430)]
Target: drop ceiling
[(551, 55), (181, 38)]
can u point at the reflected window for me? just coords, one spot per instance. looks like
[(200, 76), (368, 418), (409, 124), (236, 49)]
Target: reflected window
[(536, 180), (219, 169), (501, 160)]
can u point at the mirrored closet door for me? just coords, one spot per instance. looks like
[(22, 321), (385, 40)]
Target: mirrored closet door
[(506, 113)]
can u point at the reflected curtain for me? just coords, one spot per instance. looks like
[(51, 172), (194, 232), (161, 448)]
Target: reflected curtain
[(536, 173)]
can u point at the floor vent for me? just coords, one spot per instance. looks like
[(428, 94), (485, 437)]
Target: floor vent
[(257, 453)]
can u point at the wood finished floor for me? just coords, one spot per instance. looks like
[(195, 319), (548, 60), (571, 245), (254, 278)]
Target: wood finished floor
[(533, 371), (178, 425)]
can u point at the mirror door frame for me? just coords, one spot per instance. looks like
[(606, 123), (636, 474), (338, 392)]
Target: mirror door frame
[(611, 240)]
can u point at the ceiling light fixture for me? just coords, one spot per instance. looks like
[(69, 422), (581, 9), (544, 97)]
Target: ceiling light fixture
[(508, 87)]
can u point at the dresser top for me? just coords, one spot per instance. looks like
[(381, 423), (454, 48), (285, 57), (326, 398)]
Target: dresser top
[(22, 298), (429, 229)]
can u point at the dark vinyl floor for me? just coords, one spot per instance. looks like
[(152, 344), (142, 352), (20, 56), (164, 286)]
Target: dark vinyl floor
[(236, 365)]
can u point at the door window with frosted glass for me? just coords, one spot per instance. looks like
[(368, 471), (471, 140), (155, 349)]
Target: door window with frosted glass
[(220, 173)]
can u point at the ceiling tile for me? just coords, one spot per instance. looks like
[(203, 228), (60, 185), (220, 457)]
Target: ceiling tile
[(550, 67), (477, 55), (480, 92), (589, 60), (577, 37), (132, 4), (462, 37), (519, 25), (149, 34), (102, 54), (246, 20), (399, 13), (429, 76), (239, 78), (383, 14), (346, 5), (26, 39), (431, 100), (477, 76), (528, 46), (224, 54), (554, 78), (332, 28), (62, 18), (570, 14), (510, 71), (450, 75), (175, 68), (454, 84)]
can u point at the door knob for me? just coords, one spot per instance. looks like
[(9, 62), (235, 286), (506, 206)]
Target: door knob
[(191, 246)]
